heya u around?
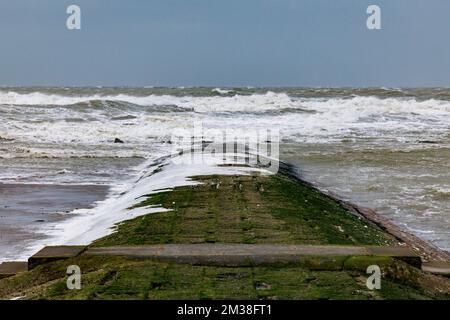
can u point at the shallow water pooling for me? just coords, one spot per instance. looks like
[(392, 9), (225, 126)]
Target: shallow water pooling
[(26, 210)]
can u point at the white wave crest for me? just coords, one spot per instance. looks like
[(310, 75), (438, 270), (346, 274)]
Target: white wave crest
[(298, 119)]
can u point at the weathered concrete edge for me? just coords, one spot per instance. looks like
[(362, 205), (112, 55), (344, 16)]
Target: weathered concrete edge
[(11, 268), (314, 263), (314, 257), (441, 268), (65, 252)]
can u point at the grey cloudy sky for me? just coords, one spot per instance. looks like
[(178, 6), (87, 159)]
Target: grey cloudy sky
[(225, 43)]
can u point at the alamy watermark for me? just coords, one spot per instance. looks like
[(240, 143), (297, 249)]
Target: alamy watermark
[(74, 280), (73, 22), (374, 280), (374, 20)]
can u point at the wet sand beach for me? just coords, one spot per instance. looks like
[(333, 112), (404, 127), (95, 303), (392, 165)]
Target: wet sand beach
[(27, 209)]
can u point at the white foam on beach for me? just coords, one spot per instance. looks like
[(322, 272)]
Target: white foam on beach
[(87, 225)]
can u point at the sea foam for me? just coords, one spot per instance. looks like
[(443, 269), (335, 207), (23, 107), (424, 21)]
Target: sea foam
[(87, 225)]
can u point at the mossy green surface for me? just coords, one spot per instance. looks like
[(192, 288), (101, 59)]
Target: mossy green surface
[(246, 209), (122, 278), (234, 209)]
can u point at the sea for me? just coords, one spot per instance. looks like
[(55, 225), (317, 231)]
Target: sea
[(64, 149)]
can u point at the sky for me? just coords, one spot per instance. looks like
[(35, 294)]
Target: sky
[(304, 43)]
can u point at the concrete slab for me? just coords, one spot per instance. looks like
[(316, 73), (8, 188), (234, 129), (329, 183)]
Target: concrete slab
[(12, 268), (329, 257), (437, 267), (403, 253), (185, 250), (54, 253)]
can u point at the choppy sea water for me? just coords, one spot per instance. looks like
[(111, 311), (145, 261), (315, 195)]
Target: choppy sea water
[(388, 149)]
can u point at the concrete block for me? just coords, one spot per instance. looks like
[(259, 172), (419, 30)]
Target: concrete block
[(8, 269), (49, 254)]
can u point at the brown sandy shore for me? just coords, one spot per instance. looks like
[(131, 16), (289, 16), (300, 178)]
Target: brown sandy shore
[(27, 208), (426, 250)]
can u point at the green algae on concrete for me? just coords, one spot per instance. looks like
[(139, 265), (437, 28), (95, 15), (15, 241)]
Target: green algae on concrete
[(124, 278), (235, 209), (252, 209)]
